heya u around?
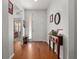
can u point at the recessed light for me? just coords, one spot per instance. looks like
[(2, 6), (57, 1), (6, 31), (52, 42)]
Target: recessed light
[(35, 0)]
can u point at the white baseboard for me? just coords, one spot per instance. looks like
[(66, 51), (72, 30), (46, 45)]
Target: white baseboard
[(11, 56), (38, 40)]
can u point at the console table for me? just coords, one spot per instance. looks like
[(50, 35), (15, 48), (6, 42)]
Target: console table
[(58, 40)]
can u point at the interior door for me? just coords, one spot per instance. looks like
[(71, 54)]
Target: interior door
[(37, 27)]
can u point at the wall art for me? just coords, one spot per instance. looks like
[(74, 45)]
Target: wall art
[(57, 18), (10, 7)]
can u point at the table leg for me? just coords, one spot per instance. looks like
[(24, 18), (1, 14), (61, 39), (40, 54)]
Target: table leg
[(49, 43), (53, 46), (58, 50)]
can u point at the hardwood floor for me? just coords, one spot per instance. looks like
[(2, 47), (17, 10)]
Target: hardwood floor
[(33, 50)]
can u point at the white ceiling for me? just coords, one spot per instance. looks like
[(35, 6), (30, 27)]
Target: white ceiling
[(31, 4)]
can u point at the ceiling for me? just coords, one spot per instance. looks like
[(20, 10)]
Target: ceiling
[(31, 4)]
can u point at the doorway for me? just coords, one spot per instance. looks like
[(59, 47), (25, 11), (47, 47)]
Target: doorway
[(17, 30), (37, 25)]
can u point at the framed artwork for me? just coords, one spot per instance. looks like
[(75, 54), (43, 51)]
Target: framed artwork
[(57, 18), (51, 18), (10, 7), (59, 31)]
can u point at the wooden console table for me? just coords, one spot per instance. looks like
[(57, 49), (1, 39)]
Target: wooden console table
[(58, 40)]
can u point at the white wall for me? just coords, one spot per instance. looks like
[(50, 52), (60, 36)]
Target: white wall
[(38, 18), (67, 9), (18, 13), (5, 40), (60, 6), (7, 32), (11, 34), (72, 29), (18, 10)]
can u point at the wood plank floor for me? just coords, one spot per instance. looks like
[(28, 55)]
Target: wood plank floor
[(33, 50)]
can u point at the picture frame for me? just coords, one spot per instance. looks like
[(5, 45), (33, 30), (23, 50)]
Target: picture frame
[(10, 7), (51, 18), (57, 18)]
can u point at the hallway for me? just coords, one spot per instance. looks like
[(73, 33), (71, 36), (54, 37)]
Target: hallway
[(33, 50)]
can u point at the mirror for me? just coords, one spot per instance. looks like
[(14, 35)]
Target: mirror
[(57, 18)]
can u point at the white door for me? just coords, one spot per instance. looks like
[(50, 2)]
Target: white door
[(38, 31)]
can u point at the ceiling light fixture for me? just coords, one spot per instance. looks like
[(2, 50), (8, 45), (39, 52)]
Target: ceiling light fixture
[(35, 0)]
